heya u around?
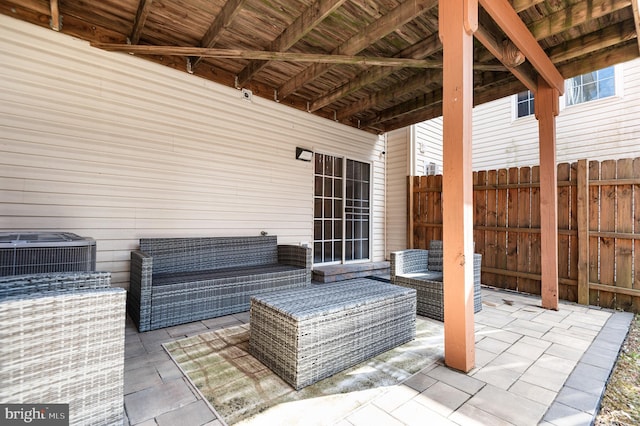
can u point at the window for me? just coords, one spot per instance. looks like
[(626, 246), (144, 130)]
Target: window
[(525, 104), (591, 86), (341, 209)]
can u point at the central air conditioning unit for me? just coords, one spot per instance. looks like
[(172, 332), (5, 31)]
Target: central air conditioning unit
[(431, 169), (40, 252)]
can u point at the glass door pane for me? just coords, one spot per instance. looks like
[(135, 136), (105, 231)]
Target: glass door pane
[(328, 184), (333, 205)]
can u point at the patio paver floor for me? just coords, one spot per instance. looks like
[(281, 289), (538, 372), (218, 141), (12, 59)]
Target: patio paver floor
[(533, 366)]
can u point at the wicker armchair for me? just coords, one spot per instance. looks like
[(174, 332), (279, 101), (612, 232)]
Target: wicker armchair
[(63, 343), (422, 271)]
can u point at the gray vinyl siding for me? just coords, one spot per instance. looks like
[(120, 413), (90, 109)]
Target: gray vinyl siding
[(117, 148)]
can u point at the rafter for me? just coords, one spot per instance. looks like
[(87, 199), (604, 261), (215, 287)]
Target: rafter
[(377, 30), (229, 11), (141, 18), (55, 15), (307, 21)]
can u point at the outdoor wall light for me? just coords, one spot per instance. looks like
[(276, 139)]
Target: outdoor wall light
[(303, 154)]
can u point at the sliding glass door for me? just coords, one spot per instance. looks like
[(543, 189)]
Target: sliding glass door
[(342, 209)]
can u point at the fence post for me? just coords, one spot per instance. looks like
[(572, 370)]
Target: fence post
[(583, 233), (410, 213)]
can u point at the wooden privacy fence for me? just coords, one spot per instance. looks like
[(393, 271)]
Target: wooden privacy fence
[(598, 228)]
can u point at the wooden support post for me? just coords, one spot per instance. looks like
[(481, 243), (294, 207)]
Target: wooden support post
[(583, 232), (546, 108), (410, 212), (457, 188)]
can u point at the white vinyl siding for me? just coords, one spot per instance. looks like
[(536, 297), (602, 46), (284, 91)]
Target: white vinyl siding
[(428, 143), (117, 148), (602, 129)]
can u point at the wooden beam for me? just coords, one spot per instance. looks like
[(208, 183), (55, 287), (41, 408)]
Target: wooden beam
[(546, 109), (509, 21), (141, 18), (523, 72), (457, 187), (55, 22), (388, 23), (636, 19), (307, 21), (272, 56), (223, 20)]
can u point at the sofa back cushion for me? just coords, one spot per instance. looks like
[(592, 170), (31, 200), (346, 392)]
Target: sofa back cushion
[(435, 255), (209, 253)]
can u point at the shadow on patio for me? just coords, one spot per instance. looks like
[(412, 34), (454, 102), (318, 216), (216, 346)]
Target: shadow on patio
[(533, 366)]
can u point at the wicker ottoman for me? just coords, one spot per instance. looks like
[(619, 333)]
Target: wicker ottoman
[(307, 334)]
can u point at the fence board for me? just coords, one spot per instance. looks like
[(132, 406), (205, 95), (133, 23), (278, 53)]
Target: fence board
[(490, 237), (607, 224), (524, 221), (512, 222), (624, 222), (437, 204), (572, 290), (536, 241), (479, 211), (636, 230), (501, 221), (594, 242), (564, 210), (430, 207)]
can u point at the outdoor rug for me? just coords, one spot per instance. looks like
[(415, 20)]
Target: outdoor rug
[(243, 391)]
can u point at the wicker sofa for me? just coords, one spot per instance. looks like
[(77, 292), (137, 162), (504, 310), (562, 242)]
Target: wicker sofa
[(422, 271), (63, 343), (179, 280)]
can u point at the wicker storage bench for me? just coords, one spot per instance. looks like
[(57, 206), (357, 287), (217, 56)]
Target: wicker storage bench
[(63, 343), (422, 271), (305, 335), (180, 280)]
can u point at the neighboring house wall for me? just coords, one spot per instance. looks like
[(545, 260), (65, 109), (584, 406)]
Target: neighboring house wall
[(118, 148), (428, 143), (603, 129)]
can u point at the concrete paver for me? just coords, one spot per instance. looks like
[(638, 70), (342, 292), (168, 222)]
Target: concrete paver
[(533, 366)]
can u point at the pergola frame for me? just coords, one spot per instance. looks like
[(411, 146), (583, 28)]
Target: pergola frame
[(458, 20)]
